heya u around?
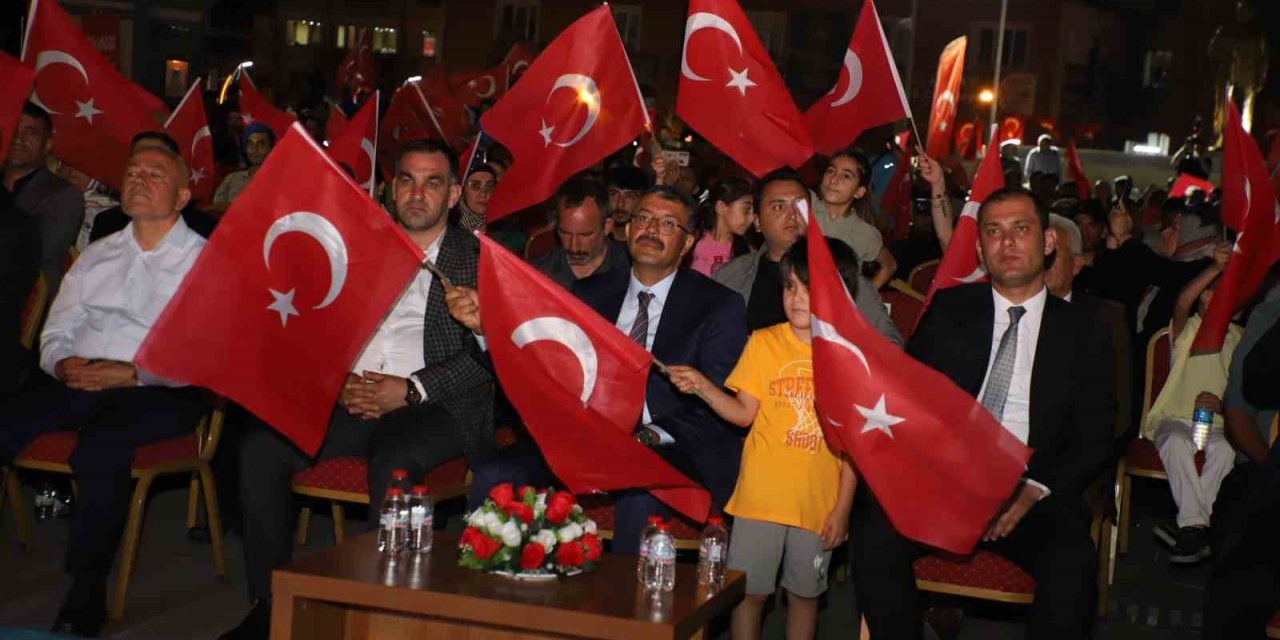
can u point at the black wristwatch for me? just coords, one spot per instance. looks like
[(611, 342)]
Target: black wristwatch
[(411, 395)]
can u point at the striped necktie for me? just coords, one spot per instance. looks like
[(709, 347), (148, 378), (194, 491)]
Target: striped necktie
[(640, 327)]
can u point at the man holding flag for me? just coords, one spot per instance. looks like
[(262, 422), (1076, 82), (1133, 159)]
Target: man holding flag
[(1033, 362)]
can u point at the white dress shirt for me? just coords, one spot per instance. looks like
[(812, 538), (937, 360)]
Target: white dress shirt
[(396, 347), (1017, 406), (112, 296), (627, 317)]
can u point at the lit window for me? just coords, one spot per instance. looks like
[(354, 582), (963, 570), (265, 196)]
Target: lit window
[(384, 40), (303, 32), (428, 44), (175, 78)]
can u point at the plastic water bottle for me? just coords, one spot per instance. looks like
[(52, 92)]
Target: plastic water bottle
[(400, 480), (660, 570), (1201, 422), (712, 551), (421, 518), (393, 521), (46, 499), (645, 534)]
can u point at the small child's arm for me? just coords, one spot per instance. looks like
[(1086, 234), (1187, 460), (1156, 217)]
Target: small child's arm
[(836, 528), (1190, 293), (737, 409)]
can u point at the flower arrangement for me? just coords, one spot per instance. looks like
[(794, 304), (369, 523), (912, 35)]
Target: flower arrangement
[(529, 532)]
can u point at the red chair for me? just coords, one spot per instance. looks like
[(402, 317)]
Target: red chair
[(905, 307), (541, 241), (921, 277), (186, 454), (599, 507)]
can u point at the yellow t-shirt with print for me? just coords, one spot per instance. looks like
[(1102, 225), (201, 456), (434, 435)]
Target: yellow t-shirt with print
[(789, 476)]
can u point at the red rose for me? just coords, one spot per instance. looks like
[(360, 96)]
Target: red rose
[(570, 554), (469, 535), (559, 507), (502, 495), (520, 510), (526, 490), (484, 546), (532, 556), (591, 543)]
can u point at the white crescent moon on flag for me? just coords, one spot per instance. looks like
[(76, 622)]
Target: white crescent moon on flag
[(977, 274), (695, 23), (367, 146), (853, 65), (588, 94), (201, 134), (519, 65), (572, 337), (823, 329), (52, 56), (323, 232), (493, 87)]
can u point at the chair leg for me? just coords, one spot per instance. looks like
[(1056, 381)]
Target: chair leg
[(1104, 565), (1126, 488), (304, 523), (339, 524), (193, 504), (22, 527), (129, 550), (215, 520)]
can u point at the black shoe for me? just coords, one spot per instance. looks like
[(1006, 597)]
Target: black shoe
[(84, 610), (1192, 547), (1167, 533), (255, 626)]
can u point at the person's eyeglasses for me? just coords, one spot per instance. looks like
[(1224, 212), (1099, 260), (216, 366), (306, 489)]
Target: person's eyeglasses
[(666, 226), (476, 185)]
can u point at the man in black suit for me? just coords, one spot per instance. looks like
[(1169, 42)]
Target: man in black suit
[(419, 394), (1042, 366), (682, 317)]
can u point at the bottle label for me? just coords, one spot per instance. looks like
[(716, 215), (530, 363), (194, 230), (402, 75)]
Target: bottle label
[(713, 552), (417, 516), (388, 521)]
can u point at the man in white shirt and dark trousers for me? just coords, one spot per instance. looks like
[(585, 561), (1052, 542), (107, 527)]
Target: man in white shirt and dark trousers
[(1044, 368), (108, 302), (417, 396)]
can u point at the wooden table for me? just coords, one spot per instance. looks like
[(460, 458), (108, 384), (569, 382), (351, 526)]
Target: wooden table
[(352, 592)]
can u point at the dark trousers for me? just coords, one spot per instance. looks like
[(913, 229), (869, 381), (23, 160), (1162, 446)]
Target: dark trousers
[(1244, 584), (112, 424), (1051, 545), (416, 439)]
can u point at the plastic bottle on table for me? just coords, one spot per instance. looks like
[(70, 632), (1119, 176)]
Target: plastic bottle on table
[(393, 524), (660, 572), (712, 552), (421, 518), (46, 499), (645, 534)]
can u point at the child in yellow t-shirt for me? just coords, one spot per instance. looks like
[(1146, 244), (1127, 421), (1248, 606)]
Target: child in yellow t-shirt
[(791, 503)]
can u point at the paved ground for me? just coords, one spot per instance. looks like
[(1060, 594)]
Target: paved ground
[(175, 596)]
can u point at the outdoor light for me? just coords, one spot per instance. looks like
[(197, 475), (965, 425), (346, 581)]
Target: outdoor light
[(226, 84), (986, 96), (412, 79)]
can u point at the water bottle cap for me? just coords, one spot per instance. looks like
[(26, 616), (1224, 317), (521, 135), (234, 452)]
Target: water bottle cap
[(663, 526), (395, 491), (399, 474), (716, 520), (420, 490), (655, 519)]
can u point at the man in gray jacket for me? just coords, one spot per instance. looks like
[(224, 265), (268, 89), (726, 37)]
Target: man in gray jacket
[(757, 276)]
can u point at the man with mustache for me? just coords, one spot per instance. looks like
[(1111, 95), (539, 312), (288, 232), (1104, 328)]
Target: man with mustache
[(682, 317), (585, 231), (626, 185)]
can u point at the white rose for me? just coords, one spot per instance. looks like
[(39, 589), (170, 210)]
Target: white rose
[(540, 505), (546, 538), (590, 526), (570, 532), (476, 518), (493, 523), (511, 534)]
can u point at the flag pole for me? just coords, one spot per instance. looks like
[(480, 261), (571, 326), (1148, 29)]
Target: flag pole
[(435, 271), (995, 100)]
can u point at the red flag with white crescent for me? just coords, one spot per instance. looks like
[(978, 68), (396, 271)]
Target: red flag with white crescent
[(16, 78), (255, 107), (356, 146), (1075, 170), (961, 264), (946, 95), (190, 129)]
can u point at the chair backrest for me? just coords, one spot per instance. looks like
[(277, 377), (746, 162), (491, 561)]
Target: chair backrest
[(921, 277), (904, 309), (1158, 362), (33, 312), (541, 241)]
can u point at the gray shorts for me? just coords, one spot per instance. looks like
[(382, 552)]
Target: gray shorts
[(758, 548)]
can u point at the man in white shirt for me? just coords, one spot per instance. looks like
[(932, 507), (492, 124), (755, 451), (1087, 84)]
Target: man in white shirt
[(1043, 159), (1043, 368), (416, 397), (108, 302)]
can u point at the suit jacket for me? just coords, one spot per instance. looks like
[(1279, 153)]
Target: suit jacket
[(455, 374), (1072, 382), (59, 209), (703, 325)]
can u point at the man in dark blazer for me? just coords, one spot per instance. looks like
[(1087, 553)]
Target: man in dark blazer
[(686, 318), (418, 395), (1043, 368)]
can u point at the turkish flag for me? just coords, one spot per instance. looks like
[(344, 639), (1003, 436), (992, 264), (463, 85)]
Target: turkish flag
[(1248, 204), (514, 65), (474, 87), (867, 94), (357, 71), (190, 129), (960, 263), (96, 111), (732, 95), (1011, 128), (576, 381), (400, 124), (1186, 182), (441, 109), (335, 123), (16, 78), (1075, 170), (946, 93), (938, 463), (254, 107), (967, 139), (357, 144), (577, 103), (896, 201), (284, 296)]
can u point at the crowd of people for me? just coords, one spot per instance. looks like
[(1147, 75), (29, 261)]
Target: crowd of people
[(708, 272)]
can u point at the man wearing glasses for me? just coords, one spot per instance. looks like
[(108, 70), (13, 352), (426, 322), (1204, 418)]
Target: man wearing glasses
[(682, 317)]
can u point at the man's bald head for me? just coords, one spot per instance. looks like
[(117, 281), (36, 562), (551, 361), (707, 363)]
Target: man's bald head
[(155, 184)]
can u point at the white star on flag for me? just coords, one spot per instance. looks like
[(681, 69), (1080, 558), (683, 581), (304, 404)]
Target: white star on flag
[(878, 418), (86, 110), (197, 175), (284, 306), (740, 81), (545, 132), (247, 117)]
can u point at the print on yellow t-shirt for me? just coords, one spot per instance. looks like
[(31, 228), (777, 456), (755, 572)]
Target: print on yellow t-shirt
[(792, 387)]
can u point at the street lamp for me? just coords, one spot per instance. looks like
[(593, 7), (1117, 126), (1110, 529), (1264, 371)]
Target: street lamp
[(226, 84), (986, 96)]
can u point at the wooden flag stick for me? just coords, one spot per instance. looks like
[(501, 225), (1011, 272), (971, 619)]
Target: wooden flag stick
[(666, 371), (435, 271)]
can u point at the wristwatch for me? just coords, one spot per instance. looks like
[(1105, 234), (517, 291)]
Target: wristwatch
[(411, 395)]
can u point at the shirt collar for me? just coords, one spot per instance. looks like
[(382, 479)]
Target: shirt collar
[(1034, 305), (1068, 296), (433, 250), (659, 289), (177, 235)]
